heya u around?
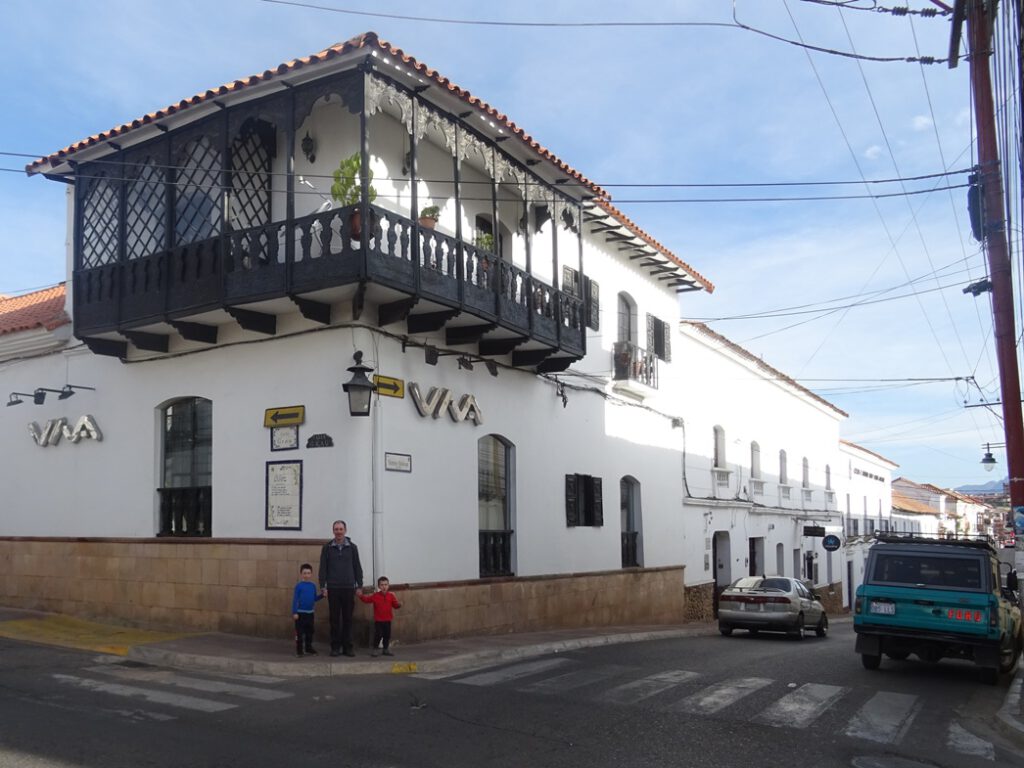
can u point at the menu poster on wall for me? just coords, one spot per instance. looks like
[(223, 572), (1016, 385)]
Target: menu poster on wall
[(284, 495)]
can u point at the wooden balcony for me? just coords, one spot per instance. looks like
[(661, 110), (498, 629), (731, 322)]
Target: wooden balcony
[(422, 277)]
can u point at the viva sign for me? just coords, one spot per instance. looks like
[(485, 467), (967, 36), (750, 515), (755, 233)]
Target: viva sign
[(439, 400), (50, 434)]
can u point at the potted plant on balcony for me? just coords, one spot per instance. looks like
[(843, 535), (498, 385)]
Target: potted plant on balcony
[(429, 216), (347, 189), (484, 241)]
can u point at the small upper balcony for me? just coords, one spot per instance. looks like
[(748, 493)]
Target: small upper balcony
[(632, 365), (238, 218)]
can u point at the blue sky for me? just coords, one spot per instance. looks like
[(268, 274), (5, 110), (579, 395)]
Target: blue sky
[(691, 99)]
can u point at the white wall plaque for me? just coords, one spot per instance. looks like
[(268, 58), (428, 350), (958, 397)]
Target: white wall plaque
[(284, 495), (398, 462)]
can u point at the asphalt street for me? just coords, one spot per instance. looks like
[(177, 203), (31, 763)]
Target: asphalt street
[(695, 701)]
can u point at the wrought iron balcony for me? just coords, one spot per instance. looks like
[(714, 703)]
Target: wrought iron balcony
[(631, 363), (629, 549), (495, 553)]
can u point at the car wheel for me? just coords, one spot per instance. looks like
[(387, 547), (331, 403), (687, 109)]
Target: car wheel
[(1009, 653), (797, 633), (871, 660), (726, 631), (822, 629)]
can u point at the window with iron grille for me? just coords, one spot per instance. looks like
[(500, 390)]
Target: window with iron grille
[(188, 443), (197, 209), (146, 209), (591, 295), (252, 152), (584, 505), (100, 211)]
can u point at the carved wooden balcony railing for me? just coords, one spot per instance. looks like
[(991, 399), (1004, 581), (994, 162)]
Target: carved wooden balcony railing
[(319, 251)]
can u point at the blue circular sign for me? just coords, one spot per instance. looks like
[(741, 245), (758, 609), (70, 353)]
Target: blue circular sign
[(831, 542)]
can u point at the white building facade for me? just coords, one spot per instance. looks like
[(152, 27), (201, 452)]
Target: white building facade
[(547, 446)]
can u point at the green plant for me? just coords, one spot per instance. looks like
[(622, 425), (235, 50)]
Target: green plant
[(347, 185), (430, 212), (484, 241)]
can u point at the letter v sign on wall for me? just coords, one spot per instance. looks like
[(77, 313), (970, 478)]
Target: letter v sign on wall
[(434, 404)]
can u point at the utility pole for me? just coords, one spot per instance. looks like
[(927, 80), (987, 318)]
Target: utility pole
[(979, 16)]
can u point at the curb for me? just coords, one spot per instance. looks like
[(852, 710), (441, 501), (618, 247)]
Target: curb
[(150, 654), (1007, 718)]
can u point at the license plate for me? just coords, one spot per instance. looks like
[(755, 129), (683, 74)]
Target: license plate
[(889, 608)]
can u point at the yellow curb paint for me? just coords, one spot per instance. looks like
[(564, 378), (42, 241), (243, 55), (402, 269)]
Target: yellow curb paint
[(403, 668), (68, 632)]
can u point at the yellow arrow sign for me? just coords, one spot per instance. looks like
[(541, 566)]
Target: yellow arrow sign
[(388, 386), (283, 417)]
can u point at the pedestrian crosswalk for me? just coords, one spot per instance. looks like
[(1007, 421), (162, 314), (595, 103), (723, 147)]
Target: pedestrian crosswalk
[(169, 691), (882, 717)]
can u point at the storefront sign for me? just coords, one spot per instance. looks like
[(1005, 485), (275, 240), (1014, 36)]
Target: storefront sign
[(54, 429), (439, 400)]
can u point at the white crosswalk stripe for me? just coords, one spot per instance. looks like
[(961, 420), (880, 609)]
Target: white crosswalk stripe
[(512, 673), (721, 695), (167, 677), (571, 680), (151, 695), (801, 707), (884, 718), (961, 740), (645, 687)]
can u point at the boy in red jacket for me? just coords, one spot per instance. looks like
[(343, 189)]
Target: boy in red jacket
[(383, 603)]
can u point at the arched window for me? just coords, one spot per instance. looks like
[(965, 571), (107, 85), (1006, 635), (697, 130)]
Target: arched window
[(719, 447), (495, 504), (627, 319), (629, 494), (783, 470), (755, 461), (187, 476), (805, 474)]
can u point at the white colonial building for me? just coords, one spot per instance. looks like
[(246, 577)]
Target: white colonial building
[(547, 445)]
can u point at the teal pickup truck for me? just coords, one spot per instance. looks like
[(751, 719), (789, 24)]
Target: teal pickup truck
[(938, 598)]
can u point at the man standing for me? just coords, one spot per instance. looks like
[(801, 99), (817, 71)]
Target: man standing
[(341, 578)]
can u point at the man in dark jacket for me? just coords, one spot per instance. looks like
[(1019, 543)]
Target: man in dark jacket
[(341, 578)]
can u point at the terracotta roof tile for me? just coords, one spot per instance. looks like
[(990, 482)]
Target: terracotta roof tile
[(39, 309), (907, 504), (369, 41), (775, 373)]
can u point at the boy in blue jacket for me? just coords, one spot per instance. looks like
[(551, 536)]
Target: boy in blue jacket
[(303, 602)]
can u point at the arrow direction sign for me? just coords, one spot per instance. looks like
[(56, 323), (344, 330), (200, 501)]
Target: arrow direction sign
[(389, 387), (284, 417)]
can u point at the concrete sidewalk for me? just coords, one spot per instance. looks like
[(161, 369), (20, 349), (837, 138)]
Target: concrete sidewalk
[(237, 654)]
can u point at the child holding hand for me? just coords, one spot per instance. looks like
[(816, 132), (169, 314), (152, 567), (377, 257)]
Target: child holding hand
[(383, 604)]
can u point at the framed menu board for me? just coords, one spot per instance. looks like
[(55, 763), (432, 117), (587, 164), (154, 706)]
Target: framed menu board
[(284, 496)]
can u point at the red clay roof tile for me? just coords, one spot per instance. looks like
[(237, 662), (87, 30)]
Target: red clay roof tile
[(39, 309)]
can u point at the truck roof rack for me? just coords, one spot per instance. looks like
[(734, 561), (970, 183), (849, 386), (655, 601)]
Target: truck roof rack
[(979, 541)]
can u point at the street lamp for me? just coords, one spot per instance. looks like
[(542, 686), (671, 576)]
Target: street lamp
[(359, 388), (988, 461)]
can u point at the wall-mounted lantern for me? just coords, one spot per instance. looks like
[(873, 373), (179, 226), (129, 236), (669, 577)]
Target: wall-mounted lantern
[(359, 388)]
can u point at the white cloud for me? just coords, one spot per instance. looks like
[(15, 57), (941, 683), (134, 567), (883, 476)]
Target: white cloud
[(922, 122), (873, 152)]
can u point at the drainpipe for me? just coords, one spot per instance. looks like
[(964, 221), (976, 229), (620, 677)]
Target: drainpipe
[(377, 488)]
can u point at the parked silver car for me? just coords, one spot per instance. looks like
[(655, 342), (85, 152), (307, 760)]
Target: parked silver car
[(773, 603)]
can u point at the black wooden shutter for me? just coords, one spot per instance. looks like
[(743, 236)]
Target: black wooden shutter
[(570, 281), (592, 291), (650, 332), (571, 501), (595, 485), (666, 342)]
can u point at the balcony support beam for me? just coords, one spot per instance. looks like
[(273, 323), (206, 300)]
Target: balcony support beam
[(555, 364), (395, 311), (316, 311), (107, 347), (152, 342), (493, 347), (467, 334), (260, 322), (530, 357), (195, 331), (430, 321)]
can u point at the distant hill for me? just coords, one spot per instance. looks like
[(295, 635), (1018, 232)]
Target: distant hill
[(993, 486)]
